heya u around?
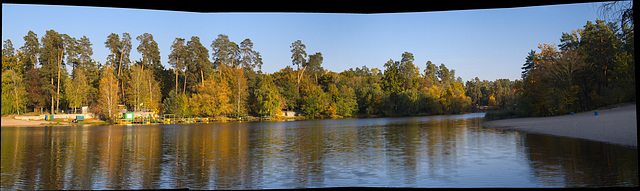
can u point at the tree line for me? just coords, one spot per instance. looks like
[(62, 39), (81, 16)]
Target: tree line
[(593, 67), (230, 83)]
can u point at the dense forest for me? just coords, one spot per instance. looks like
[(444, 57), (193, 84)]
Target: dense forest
[(592, 67)]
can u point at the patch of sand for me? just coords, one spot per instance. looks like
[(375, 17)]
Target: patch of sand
[(10, 121), (616, 125)]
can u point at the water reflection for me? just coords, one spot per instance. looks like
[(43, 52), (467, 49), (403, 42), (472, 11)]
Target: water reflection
[(564, 165), (439, 151)]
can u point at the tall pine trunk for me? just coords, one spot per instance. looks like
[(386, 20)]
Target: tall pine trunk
[(35, 62), (238, 78), (300, 77), (58, 89), (176, 90), (176, 70), (52, 102), (150, 90), (15, 92)]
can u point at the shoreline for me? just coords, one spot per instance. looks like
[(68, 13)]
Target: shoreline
[(9, 121), (616, 125)]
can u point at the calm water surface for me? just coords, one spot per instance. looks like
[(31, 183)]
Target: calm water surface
[(436, 151)]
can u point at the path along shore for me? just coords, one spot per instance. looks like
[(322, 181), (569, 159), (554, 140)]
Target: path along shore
[(616, 125)]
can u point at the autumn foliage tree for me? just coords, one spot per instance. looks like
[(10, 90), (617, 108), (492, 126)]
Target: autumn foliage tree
[(211, 99), (109, 92)]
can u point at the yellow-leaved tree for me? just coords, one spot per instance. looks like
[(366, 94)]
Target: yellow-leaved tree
[(108, 94), (211, 99)]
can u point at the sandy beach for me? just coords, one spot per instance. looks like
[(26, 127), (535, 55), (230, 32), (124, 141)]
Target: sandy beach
[(616, 125), (10, 121)]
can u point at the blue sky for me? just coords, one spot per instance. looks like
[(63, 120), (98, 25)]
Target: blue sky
[(487, 43)]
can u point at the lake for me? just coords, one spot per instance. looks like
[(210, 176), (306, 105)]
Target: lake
[(432, 151)]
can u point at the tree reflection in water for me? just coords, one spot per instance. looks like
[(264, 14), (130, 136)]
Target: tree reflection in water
[(437, 151)]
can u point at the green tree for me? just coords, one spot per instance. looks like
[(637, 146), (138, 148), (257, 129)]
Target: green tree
[(125, 51), (312, 102), (53, 45), (225, 52), (444, 74), (177, 104), (113, 44), (10, 60), (148, 48), (315, 65), (430, 74), (472, 90), (299, 59), (267, 97), (177, 57), (197, 62), (342, 101), (528, 64), (598, 45), (171, 104), (392, 85), (89, 68), (371, 99), (392, 81), (285, 80), (31, 49), (331, 97), (408, 102), (72, 51), (251, 59), (76, 89), (85, 50), (347, 105), (13, 92), (408, 71)]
